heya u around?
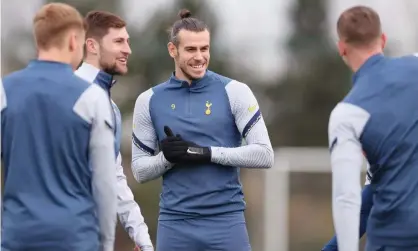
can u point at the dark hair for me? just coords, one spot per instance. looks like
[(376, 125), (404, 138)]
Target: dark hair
[(359, 26), (99, 23), (186, 22)]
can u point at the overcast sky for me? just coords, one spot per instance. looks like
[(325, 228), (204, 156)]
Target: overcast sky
[(250, 26)]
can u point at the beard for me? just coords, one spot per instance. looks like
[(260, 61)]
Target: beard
[(183, 69), (110, 68)]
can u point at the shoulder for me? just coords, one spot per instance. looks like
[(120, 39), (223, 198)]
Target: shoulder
[(240, 92), (145, 97), (76, 86), (10, 78), (235, 85), (347, 116), (87, 72), (218, 79), (361, 91), (80, 82), (91, 100), (230, 85), (161, 87), (93, 93)]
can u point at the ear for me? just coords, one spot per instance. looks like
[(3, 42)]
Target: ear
[(383, 39), (172, 50), (342, 48), (72, 41), (92, 46)]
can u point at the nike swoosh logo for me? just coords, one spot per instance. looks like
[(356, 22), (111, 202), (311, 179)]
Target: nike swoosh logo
[(192, 152), (252, 108)]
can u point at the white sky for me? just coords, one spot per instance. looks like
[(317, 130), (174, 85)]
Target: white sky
[(251, 29)]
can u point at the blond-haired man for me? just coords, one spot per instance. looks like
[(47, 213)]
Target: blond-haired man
[(57, 146)]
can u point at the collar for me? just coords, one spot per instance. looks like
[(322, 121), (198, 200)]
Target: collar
[(97, 76), (55, 65), (370, 62), (197, 83)]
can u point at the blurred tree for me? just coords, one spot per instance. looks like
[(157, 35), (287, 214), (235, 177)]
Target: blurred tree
[(316, 80), (85, 6), (16, 59)]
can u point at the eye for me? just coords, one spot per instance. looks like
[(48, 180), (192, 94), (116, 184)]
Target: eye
[(119, 41)]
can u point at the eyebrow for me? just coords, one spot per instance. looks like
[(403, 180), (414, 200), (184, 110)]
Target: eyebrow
[(124, 38)]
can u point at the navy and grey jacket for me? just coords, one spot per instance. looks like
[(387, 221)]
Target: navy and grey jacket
[(380, 118), (57, 147), (216, 112), (129, 211)]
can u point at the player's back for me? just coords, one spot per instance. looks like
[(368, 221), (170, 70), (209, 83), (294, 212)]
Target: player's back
[(47, 203), (387, 89)]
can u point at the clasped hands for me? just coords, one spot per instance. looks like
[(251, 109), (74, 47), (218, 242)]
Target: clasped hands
[(176, 150)]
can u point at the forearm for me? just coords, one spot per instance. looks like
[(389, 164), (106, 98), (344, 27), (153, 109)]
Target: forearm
[(146, 168), (133, 222), (104, 191), (258, 153), (248, 156), (366, 205), (129, 212), (346, 197)]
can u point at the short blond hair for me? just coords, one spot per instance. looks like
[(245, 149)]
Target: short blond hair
[(52, 21)]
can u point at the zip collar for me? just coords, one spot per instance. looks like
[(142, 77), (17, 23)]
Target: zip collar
[(197, 83), (36, 63), (370, 62), (97, 76)]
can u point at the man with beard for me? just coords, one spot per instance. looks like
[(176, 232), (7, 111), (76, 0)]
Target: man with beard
[(106, 53), (198, 119)]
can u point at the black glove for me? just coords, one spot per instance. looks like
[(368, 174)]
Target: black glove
[(177, 150)]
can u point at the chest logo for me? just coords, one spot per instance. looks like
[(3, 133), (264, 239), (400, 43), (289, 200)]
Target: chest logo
[(173, 106), (208, 105), (252, 108)]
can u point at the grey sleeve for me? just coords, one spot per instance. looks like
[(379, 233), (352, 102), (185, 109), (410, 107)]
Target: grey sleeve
[(129, 212), (346, 124), (94, 105), (3, 100), (147, 162), (258, 152)]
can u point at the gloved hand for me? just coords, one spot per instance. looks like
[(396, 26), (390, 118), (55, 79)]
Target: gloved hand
[(177, 150)]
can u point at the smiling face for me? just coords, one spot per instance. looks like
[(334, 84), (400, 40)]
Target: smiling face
[(192, 53), (114, 50)]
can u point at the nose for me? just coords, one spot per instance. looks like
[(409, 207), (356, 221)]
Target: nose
[(127, 49), (198, 56)]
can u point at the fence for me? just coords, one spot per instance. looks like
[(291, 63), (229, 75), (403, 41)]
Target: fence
[(276, 187)]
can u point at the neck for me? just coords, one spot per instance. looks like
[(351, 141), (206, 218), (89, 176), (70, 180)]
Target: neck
[(55, 55), (181, 76), (359, 57), (94, 62)]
